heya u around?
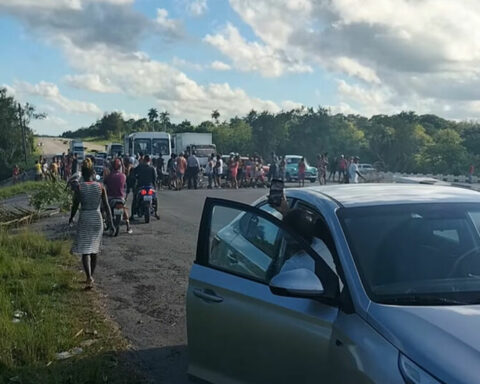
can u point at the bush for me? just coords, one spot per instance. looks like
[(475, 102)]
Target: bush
[(52, 193)]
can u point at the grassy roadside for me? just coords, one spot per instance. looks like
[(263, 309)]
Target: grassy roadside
[(20, 188), (44, 311)]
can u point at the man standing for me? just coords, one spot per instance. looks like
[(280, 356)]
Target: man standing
[(181, 168), (353, 172), (471, 171), (171, 169), (193, 167), (209, 170), (342, 169), (75, 163)]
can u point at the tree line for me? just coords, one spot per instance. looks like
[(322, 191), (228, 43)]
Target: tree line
[(16, 137), (404, 142)]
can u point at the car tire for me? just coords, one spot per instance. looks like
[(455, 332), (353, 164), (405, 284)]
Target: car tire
[(288, 177), (313, 180)]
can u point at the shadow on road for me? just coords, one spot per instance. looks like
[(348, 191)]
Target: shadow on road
[(166, 365)]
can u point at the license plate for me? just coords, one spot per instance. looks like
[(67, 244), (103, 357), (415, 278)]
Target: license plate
[(118, 212), (147, 198)]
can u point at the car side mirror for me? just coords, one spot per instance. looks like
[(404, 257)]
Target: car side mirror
[(297, 283)]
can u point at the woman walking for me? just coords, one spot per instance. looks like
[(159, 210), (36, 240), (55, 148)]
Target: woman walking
[(89, 195), (301, 172)]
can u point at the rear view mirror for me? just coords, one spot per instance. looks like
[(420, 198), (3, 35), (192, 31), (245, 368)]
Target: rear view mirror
[(297, 283)]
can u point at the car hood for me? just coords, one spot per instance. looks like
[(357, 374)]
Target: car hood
[(443, 340)]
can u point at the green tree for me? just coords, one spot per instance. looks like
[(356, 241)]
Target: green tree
[(165, 120), (215, 115), (152, 117), (445, 154)]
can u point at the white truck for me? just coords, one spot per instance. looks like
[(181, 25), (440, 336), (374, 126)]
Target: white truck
[(153, 144), (76, 147), (201, 143)]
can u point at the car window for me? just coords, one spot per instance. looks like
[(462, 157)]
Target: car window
[(319, 244), (243, 243), (429, 249)]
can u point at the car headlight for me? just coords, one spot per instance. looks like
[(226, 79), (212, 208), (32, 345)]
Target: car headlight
[(413, 374)]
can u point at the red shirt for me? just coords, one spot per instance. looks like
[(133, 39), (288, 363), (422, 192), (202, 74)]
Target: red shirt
[(115, 183)]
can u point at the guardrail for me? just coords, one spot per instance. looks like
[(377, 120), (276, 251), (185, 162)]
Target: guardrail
[(390, 176)]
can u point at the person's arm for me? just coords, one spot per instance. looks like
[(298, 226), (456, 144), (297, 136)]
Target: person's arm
[(75, 204), (107, 210), (359, 174), (154, 176)]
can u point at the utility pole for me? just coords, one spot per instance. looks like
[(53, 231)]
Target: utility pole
[(22, 126)]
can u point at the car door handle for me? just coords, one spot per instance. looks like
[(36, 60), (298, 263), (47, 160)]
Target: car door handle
[(207, 295), (232, 258)]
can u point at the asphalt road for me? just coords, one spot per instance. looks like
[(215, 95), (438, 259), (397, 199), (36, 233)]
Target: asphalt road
[(143, 278)]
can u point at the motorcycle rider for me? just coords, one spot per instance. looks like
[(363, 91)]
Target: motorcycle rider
[(115, 183), (145, 176)]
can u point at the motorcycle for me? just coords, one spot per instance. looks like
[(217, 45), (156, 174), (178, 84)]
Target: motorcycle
[(146, 203), (117, 206)]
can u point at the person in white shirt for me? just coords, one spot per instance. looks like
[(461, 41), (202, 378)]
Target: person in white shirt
[(218, 171), (353, 172), (209, 170)]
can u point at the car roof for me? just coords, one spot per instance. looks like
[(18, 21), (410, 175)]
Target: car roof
[(357, 195)]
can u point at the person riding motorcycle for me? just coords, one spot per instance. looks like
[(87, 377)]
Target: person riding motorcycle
[(115, 183), (145, 176)]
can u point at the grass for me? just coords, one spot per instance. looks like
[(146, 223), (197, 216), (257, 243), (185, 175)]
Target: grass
[(19, 189), (41, 279)]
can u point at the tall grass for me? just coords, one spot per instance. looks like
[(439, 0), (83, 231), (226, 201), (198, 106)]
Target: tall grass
[(27, 187), (37, 279)]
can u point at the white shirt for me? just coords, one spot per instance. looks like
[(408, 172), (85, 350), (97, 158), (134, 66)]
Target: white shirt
[(193, 162), (352, 173), (220, 167)]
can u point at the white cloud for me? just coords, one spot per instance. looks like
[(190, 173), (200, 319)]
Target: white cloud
[(253, 56), (181, 63), (50, 92), (220, 66), (137, 75), (422, 54), (91, 82), (354, 68), (167, 24), (197, 7)]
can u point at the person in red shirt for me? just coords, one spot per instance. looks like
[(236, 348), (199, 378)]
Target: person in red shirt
[(15, 174), (342, 169), (234, 171), (301, 172), (115, 183)]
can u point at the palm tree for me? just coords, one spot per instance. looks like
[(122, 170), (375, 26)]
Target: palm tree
[(215, 115), (152, 116), (165, 119)]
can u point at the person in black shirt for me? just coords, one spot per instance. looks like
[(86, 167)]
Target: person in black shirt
[(145, 176)]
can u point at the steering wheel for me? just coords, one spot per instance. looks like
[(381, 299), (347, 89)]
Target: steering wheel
[(461, 259)]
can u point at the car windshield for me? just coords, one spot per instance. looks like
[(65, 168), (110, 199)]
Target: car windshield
[(296, 160), (143, 145), (416, 254), (160, 147)]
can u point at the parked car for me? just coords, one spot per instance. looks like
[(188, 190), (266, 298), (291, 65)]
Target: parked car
[(291, 169), (392, 297), (366, 168)]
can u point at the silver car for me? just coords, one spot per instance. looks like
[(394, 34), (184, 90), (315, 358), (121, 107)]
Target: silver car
[(388, 291)]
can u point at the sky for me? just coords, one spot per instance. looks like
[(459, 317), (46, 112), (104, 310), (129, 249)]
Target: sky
[(76, 60)]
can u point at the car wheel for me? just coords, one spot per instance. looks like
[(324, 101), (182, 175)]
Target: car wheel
[(289, 178), (313, 180)]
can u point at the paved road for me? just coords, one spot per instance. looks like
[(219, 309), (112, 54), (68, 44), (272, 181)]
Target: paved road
[(52, 146), (143, 278)]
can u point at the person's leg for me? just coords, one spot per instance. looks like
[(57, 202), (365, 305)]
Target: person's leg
[(87, 267), (195, 178), (93, 263)]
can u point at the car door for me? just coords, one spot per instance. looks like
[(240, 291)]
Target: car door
[(238, 330)]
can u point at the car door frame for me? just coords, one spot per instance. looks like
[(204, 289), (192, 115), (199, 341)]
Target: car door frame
[(328, 277)]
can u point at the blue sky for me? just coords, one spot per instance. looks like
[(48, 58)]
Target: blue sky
[(78, 59)]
